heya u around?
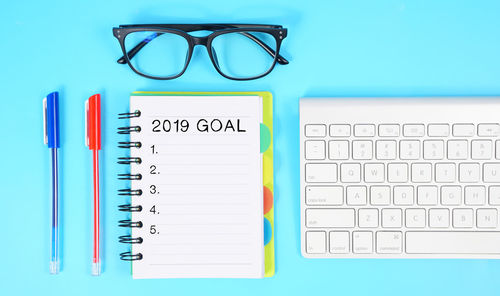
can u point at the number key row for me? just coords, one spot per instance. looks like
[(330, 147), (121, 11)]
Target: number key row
[(407, 150)]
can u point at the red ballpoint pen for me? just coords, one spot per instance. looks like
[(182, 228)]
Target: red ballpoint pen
[(93, 141)]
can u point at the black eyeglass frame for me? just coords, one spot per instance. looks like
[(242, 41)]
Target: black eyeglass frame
[(278, 32)]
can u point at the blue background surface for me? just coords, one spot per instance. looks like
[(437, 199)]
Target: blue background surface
[(336, 48)]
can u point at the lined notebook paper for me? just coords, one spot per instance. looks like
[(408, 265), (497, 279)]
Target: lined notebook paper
[(202, 206)]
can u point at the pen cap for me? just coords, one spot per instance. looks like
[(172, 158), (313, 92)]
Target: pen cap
[(52, 119), (94, 122)]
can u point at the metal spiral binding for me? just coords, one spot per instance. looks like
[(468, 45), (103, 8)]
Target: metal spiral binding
[(129, 176), (129, 160), (128, 239), (128, 256), (127, 145), (129, 208), (137, 113), (130, 192), (130, 223), (126, 130)]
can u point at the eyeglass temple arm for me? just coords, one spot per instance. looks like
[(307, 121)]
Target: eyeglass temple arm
[(131, 53)]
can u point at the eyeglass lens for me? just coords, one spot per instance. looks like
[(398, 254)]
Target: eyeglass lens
[(239, 55), (162, 55)]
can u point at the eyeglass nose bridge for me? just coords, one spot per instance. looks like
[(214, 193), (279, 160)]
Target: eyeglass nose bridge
[(200, 40)]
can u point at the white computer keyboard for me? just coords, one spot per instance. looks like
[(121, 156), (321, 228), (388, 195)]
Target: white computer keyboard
[(400, 177)]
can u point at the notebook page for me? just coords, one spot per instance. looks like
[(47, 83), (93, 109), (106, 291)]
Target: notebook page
[(202, 187)]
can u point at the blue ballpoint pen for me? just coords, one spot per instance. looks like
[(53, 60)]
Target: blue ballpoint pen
[(51, 139)]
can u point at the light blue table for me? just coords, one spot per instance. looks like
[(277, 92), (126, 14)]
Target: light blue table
[(336, 48)]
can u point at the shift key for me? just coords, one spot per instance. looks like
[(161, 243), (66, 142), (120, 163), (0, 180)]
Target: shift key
[(330, 218)]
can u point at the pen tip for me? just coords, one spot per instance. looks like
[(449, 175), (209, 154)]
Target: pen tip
[(96, 268), (54, 267)]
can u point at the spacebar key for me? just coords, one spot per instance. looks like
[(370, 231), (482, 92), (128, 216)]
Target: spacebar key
[(452, 242)]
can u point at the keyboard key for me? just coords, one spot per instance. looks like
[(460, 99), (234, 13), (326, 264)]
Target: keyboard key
[(340, 130), (403, 195), (421, 172), (481, 149), (350, 172), (315, 242), (433, 149), (315, 130), (339, 242), (392, 218), (491, 172), (463, 130), (338, 150), (451, 195), (469, 172), (415, 218), (362, 242), (333, 218), (374, 172), (488, 130), (356, 195), (497, 149), (438, 130), (452, 242), (368, 218), (409, 149), (413, 130), (462, 218), (475, 195), (321, 172), (388, 130), (380, 195), (445, 172), (315, 150), (494, 195), (386, 150), (486, 218), (364, 130), (427, 195), (457, 149), (324, 195), (439, 218), (389, 242), (397, 172), (362, 150)]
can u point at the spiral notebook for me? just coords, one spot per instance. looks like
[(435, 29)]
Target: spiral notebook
[(200, 185)]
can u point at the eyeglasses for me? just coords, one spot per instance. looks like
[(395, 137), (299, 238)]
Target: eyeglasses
[(237, 51)]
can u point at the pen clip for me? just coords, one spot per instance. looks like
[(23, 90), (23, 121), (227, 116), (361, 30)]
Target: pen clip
[(87, 123), (45, 136), (93, 122)]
